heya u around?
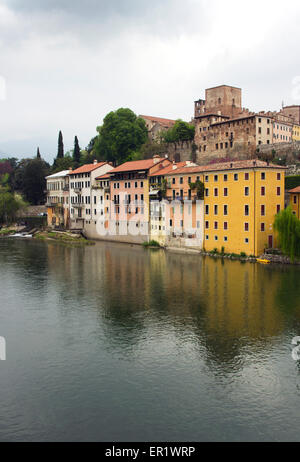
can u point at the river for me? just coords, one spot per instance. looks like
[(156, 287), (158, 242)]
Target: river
[(118, 343)]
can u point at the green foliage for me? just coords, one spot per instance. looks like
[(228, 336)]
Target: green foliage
[(60, 151), (62, 164), (9, 206), (243, 255), (151, 244), (76, 153), (292, 182), (200, 189), (287, 226), (181, 131), (120, 137), (149, 149), (30, 180)]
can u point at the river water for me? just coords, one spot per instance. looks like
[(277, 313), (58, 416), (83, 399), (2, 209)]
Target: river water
[(118, 343)]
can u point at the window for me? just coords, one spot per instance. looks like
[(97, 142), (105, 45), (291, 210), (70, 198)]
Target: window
[(217, 146), (216, 225), (278, 176), (246, 176), (225, 177), (263, 191), (206, 237), (246, 191), (142, 184), (225, 192), (262, 227), (246, 226), (207, 210), (225, 238), (206, 192), (207, 225), (278, 208), (206, 179), (225, 225), (216, 238), (135, 184), (181, 180), (216, 210), (225, 209), (216, 178), (246, 210), (236, 177), (173, 180), (171, 222), (216, 192), (262, 210), (278, 191), (295, 199), (263, 176), (246, 240)]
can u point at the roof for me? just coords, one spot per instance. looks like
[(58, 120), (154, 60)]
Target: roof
[(104, 177), (61, 174), (136, 165), (165, 122), (88, 168), (295, 190), (234, 165), (168, 169)]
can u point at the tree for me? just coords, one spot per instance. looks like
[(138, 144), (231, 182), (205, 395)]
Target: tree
[(60, 152), (121, 135), (181, 131), (38, 154), (76, 153), (9, 206), (30, 180), (287, 226), (62, 164)]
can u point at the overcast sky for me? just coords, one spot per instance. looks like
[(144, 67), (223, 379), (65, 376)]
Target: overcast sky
[(64, 64)]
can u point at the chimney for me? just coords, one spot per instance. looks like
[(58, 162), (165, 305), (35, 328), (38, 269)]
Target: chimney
[(95, 162), (156, 158)]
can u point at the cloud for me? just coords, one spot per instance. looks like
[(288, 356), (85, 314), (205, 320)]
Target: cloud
[(66, 64)]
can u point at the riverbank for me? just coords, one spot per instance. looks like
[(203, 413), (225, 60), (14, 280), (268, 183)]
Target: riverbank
[(63, 238)]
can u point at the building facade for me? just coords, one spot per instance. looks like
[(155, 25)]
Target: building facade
[(58, 207), (82, 196), (295, 201)]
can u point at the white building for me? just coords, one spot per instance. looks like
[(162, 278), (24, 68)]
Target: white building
[(58, 199), (84, 195)]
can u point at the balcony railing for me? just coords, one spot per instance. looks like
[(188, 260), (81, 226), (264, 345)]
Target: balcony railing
[(77, 190), (78, 206)]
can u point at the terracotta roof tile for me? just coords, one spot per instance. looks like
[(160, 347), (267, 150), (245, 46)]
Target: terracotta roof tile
[(165, 122), (234, 165), (88, 168), (168, 169), (295, 190), (136, 165), (104, 177)]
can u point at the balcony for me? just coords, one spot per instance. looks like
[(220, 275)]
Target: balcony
[(78, 206), (66, 188), (77, 190)]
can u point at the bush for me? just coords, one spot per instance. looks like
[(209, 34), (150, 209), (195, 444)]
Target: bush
[(151, 244)]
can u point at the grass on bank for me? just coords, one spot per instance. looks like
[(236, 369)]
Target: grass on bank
[(151, 244), (63, 238)]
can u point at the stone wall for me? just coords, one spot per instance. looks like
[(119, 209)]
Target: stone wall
[(289, 151)]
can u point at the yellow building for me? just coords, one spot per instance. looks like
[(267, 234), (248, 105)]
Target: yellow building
[(295, 201), (296, 132), (240, 202)]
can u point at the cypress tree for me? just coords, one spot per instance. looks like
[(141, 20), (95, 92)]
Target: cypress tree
[(76, 153), (60, 152), (38, 154)]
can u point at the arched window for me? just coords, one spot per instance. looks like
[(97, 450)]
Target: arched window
[(219, 101)]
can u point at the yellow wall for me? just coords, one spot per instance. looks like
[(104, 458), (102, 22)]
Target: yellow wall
[(296, 133), (295, 203), (236, 218)]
